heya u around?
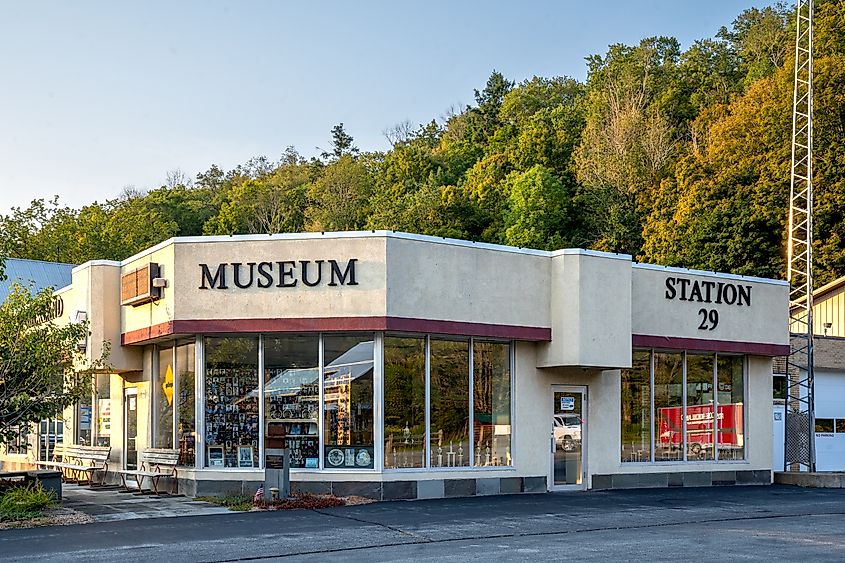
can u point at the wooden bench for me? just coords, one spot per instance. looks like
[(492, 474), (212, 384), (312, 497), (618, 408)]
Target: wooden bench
[(155, 464), (74, 461)]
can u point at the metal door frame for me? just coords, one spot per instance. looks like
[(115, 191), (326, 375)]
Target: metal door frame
[(582, 389), (127, 392)]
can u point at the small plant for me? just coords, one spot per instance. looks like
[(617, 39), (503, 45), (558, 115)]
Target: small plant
[(240, 503), (22, 503)]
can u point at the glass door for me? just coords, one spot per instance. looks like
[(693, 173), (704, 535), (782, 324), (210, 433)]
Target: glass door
[(130, 407), (568, 438)]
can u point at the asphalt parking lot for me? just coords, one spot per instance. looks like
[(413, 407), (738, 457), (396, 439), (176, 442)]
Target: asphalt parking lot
[(761, 523)]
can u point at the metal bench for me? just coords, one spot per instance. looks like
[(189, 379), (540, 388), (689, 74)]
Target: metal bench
[(78, 463), (155, 464)]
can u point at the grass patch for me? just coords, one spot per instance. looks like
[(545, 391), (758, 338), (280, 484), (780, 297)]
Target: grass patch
[(24, 503), (241, 503)]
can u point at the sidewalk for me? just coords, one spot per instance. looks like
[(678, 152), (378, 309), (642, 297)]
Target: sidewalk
[(109, 504)]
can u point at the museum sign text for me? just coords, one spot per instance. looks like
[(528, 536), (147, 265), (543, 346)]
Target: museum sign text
[(280, 273)]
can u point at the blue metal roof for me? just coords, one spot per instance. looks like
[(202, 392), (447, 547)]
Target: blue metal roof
[(35, 272)]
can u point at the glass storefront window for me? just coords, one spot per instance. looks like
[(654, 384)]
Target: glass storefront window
[(675, 376), (186, 421), (731, 408), (83, 421), (636, 409), (668, 407), (163, 394), (103, 397), (231, 402), (292, 396), (700, 397), (449, 386), (348, 402), (491, 403), (404, 402)]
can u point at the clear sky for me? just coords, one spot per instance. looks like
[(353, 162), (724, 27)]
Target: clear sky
[(95, 96)]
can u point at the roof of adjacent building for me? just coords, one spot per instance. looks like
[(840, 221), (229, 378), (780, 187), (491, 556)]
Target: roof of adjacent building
[(827, 290), (36, 274)]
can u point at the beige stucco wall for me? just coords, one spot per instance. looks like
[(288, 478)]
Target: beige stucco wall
[(435, 279), (655, 315), (591, 291)]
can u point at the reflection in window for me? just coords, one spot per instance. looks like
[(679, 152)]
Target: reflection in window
[(163, 394), (348, 401), (292, 395), (636, 409), (186, 425), (700, 407), (404, 402), (103, 396), (779, 387), (824, 425), (492, 403), (731, 408), (449, 403), (83, 421), (231, 402), (668, 406)]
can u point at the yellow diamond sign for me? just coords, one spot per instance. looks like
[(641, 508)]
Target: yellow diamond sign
[(167, 385)]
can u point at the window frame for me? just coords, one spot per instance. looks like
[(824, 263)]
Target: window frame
[(716, 426)]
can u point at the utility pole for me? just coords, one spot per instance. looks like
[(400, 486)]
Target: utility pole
[(799, 432)]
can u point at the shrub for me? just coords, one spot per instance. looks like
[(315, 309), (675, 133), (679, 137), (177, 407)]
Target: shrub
[(21, 503)]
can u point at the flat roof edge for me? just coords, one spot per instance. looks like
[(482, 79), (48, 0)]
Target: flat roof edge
[(721, 275)]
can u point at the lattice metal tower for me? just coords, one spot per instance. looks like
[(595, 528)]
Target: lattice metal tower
[(800, 422)]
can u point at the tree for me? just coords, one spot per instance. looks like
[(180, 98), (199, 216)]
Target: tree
[(338, 198), (539, 211), (42, 371), (342, 144)]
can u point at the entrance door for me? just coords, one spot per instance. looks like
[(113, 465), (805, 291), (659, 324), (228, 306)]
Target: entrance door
[(568, 438), (130, 425)]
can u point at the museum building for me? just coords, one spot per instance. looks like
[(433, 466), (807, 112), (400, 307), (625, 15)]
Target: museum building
[(407, 366)]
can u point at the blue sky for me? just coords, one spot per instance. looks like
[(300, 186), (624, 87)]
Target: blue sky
[(96, 96)]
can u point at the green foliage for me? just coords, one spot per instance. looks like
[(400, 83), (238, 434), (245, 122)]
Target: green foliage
[(25, 502), (42, 372), (676, 156)]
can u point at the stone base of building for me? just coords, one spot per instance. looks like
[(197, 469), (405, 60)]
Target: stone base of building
[(376, 490), (679, 479)]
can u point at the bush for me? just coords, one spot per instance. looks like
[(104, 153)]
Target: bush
[(22, 503)]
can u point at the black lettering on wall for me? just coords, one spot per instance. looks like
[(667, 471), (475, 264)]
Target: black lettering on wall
[(744, 295), (304, 264), (265, 270), (348, 272), (286, 270), (236, 266), (670, 288), (219, 279)]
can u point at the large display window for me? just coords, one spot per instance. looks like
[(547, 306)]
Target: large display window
[(449, 388), (348, 421), (164, 398), (404, 402), (186, 413), (446, 402), (231, 402), (696, 403), (292, 394), (491, 391)]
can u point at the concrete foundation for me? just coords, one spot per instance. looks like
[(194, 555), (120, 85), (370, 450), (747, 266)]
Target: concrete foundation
[(813, 480)]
